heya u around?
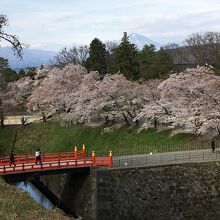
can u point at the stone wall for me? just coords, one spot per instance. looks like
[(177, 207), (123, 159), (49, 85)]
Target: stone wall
[(187, 191), (80, 195)]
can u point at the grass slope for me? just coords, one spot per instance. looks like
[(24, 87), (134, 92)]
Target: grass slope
[(54, 137), (17, 204)]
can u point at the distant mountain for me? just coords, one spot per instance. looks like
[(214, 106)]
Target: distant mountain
[(31, 57), (140, 41), (36, 57)]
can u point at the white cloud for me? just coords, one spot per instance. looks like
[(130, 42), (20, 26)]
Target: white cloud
[(70, 21)]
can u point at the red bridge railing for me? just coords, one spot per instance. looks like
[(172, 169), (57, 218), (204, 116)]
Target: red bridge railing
[(59, 160)]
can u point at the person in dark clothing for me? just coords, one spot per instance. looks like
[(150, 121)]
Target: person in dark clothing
[(213, 145), (12, 158)]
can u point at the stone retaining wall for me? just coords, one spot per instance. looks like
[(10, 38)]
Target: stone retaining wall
[(186, 191)]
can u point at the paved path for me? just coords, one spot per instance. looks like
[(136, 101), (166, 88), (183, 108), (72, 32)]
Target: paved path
[(16, 120), (176, 157)]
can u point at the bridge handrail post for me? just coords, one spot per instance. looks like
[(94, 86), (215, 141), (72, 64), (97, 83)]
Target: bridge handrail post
[(59, 162), (110, 159), (93, 158), (4, 169), (23, 166), (84, 150), (75, 153)]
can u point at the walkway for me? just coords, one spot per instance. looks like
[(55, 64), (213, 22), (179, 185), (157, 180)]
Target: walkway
[(16, 120), (156, 159), (52, 161), (77, 159)]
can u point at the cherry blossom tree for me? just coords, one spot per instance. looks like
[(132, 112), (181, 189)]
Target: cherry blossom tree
[(188, 101), (54, 89), (15, 97), (111, 100), (82, 97)]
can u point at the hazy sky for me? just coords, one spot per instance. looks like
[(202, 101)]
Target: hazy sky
[(52, 24)]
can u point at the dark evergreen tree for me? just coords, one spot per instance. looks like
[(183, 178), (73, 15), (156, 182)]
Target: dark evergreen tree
[(3, 63), (147, 58), (31, 72), (97, 57), (6, 73), (216, 65), (21, 73), (111, 59), (163, 62), (127, 59), (154, 64)]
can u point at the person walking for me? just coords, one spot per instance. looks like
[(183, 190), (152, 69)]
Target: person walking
[(213, 145), (38, 156), (12, 158)]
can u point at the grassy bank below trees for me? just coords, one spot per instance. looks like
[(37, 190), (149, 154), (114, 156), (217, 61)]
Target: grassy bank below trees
[(17, 204), (51, 136)]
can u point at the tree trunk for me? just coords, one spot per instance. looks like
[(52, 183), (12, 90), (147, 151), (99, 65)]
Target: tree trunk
[(155, 122), (137, 122), (44, 117), (133, 116), (126, 119), (23, 122), (2, 120)]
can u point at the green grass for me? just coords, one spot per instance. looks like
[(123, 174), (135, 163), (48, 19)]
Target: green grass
[(17, 204), (54, 137)]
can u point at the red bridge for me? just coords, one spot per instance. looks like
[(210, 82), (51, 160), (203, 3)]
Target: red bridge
[(53, 161)]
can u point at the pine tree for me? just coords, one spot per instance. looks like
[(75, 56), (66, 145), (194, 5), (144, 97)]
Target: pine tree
[(216, 65), (163, 62), (6, 73), (31, 72), (21, 73), (154, 64), (147, 60), (97, 57), (127, 59)]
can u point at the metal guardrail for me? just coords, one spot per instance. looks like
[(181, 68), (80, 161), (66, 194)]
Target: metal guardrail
[(146, 149), (164, 159)]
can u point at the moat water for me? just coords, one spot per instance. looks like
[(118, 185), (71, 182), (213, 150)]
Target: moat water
[(35, 194)]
